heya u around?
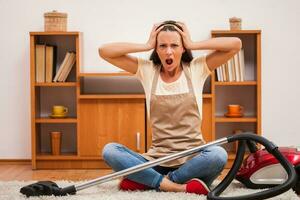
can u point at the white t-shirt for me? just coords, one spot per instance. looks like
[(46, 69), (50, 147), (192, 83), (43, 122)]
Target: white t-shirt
[(199, 72)]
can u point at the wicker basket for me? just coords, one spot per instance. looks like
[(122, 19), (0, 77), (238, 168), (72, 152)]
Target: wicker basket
[(235, 23), (55, 21)]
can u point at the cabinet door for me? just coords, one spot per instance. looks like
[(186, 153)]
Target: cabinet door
[(111, 120)]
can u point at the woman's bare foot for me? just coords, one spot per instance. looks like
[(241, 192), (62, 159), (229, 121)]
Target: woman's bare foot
[(169, 186)]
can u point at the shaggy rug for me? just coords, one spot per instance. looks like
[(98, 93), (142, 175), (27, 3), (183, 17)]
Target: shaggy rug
[(109, 191)]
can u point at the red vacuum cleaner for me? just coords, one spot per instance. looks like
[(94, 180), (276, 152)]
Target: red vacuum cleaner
[(238, 170), (261, 169)]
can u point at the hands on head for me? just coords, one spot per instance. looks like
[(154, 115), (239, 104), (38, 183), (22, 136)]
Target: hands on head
[(180, 27)]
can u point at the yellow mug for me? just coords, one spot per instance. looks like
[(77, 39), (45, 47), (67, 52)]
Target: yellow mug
[(59, 110)]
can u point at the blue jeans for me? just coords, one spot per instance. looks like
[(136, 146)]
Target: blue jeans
[(207, 165)]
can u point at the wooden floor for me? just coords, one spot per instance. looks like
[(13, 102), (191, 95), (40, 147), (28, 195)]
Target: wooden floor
[(24, 172), (11, 172)]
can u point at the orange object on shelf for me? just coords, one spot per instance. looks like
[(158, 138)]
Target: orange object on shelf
[(55, 142)]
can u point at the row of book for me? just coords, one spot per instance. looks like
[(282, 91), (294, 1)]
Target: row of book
[(233, 69), (45, 64)]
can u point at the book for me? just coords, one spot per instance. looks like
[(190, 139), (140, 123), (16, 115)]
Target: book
[(242, 64), (236, 67), (218, 73), (67, 68), (50, 62), (224, 72), (40, 54), (221, 72), (61, 66)]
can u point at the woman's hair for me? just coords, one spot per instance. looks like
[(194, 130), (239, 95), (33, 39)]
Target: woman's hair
[(186, 57)]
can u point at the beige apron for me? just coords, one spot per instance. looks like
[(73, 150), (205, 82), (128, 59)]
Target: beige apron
[(175, 122)]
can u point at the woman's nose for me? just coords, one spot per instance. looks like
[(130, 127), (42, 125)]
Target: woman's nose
[(169, 50)]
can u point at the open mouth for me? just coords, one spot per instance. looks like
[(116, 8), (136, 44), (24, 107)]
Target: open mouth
[(169, 61)]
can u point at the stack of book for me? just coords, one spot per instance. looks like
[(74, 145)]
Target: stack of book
[(45, 61), (45, 64), (65, 67), (233, 70)]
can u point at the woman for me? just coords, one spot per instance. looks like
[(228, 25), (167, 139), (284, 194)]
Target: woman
[(173, 83)]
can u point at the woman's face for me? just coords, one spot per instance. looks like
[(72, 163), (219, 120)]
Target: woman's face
[(169, 49)]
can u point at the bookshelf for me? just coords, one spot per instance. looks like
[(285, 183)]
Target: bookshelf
[(246, 93), (46, 93)]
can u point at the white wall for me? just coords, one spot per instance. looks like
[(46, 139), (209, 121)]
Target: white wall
[(120, 20)]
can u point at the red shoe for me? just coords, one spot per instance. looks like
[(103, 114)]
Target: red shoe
[(127, 184), (197, 186)]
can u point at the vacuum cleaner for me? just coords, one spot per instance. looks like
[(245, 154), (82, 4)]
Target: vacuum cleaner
[(261, 170), (244, 139)]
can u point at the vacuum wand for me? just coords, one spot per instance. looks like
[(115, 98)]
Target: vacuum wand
[(146, 165), (51, 188)]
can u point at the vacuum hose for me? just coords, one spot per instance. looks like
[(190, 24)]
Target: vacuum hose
[(271, 148)]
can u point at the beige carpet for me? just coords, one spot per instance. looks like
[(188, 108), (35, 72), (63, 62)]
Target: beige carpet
[(109, 191)]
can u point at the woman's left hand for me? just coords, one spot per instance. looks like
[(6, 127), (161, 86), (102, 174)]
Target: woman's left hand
[(187, 41)]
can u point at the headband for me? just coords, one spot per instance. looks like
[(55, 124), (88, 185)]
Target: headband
[(169, 23)]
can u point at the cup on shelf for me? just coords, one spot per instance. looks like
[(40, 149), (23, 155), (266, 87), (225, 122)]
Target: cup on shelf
[(59, 111), (234, 110), (55, 138)]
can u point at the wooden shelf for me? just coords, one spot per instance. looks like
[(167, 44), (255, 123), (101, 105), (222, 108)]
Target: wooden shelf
[(207, 96), (75, 33), (214, 32), (112, 96), (121, 96), (237, 119), (56, 84), (105, 74), (236, 83), (63, 156), (66, 157), (56, 120)]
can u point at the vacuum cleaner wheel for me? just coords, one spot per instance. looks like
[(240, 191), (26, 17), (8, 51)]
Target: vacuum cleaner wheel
[(296, 188)]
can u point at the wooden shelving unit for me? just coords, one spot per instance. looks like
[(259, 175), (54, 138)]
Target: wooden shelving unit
[(46, 94), (246, 93), (102, 112)]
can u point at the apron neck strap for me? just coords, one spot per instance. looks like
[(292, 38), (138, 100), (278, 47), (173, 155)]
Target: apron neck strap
[(187, 75)]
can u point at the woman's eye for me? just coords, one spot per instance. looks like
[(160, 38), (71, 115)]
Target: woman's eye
[(162, 45), (174, 45)]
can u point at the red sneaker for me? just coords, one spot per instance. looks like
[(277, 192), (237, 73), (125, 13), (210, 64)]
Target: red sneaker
[(196, 186), (127, 184)]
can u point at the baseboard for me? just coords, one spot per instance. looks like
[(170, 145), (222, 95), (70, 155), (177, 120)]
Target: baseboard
[(15, 161)]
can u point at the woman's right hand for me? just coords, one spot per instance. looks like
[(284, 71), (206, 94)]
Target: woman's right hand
[(152, 39)]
